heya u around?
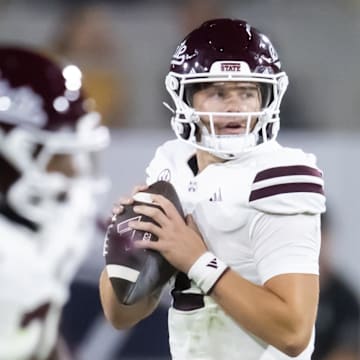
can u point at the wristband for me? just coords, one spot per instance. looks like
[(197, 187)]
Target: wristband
[(206, 271)]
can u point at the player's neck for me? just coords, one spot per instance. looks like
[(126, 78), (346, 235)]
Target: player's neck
[(205, 159)]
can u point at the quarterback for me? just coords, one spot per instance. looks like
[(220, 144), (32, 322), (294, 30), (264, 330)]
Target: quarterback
[(47, 197), (247, 252)]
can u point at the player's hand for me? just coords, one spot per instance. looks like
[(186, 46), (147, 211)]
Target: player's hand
[(118, 207), (179, 241)]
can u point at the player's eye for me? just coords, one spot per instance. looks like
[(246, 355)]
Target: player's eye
[(220, 93), (250, 93), (215, 92)]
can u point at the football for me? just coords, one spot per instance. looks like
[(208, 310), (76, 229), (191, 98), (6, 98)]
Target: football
[(135, 273)]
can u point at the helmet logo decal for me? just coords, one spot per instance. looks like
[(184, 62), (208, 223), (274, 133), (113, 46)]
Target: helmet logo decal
[(219, 67), (273, 52), (180, 55), (273, 55), (21, 105), (230, 66)]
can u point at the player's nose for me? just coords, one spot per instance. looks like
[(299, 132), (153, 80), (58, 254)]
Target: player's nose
[(235, 103)]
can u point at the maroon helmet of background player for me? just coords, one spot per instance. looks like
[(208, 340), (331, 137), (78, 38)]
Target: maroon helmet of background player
[(43, 112), (55, 92), (225, 50)]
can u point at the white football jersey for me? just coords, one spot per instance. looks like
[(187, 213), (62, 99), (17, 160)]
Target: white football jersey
[(36, 268), (260, 214)]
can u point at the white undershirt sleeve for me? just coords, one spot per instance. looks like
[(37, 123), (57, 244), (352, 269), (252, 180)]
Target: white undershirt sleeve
[(285, 244)]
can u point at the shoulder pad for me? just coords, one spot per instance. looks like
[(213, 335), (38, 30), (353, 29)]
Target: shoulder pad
[(165, 160), (289, 188)]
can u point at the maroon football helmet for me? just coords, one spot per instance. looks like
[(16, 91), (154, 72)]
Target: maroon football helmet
[(43, 113), (222, 50)]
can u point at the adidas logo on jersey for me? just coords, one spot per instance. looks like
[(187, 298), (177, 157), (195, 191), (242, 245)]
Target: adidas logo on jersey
[(213, 263), (216, 196)]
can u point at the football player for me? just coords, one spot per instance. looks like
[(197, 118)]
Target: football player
[(247, 252), (48, 139)]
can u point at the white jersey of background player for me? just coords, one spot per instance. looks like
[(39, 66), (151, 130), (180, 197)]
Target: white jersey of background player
[(47, 192), (248, 252)]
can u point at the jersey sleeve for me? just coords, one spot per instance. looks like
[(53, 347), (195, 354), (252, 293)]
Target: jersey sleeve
[(289, 188), (284, 244)]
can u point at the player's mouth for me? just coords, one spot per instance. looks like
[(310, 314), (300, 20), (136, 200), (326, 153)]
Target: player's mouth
[(232, 128)]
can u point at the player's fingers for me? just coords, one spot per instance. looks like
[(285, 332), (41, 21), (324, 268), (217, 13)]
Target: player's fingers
[(167, 206), (118, 207), (147, 244), (145, 226), (138, 188), (153, 212), (125, 201)]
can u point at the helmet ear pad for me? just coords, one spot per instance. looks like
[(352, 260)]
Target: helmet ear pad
[(189, 129), (269, 133), (186, 131)]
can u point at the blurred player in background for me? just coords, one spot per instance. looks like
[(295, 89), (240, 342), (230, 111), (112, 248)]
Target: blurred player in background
[(247, 254), (48, 139)]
